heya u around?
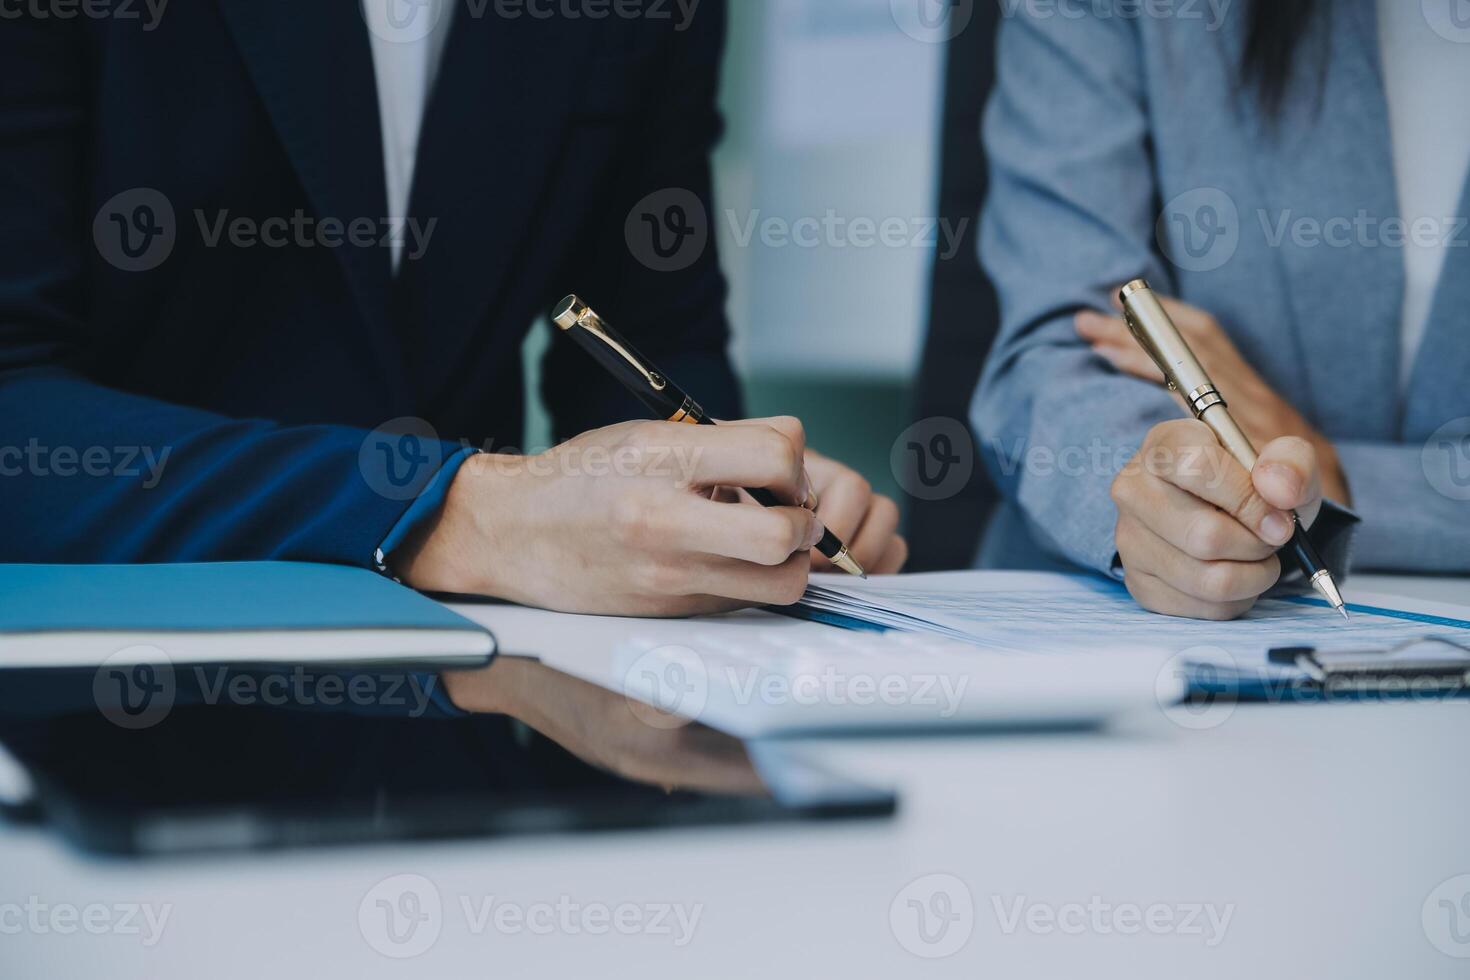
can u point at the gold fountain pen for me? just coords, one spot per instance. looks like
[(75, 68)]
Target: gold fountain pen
[(1156, 333), (664, 398)]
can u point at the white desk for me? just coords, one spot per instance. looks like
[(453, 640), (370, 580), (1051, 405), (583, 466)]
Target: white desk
[(1320, 830)]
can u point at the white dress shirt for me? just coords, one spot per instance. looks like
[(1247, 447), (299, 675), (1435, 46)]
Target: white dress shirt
[(408, 38), (1427, 80)]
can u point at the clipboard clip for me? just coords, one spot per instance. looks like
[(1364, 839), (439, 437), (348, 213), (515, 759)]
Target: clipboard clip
[(1424, 664)]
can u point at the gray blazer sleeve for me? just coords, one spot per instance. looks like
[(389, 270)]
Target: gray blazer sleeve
[(1069, 218), (1415, 506)]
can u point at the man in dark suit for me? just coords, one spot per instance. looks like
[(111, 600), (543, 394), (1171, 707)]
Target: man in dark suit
[(255, 306)]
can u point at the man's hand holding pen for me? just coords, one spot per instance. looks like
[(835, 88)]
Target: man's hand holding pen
[(647, 529), (846, 505)]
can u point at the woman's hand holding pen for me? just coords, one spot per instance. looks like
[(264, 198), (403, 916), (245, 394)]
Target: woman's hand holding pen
[(1255, 405), (631, 520), (1197, 533)]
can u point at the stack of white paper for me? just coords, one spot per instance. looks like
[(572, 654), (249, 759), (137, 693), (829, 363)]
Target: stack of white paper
[(1026, 612)]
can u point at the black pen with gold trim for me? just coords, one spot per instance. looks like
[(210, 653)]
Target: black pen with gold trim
[(664, 398), (1156, 333)]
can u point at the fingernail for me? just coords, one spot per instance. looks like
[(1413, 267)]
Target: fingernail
[(1286, 477), (815, 534), (1276, 528)]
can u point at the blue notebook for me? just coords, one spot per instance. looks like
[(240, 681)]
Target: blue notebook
[(248, 613)]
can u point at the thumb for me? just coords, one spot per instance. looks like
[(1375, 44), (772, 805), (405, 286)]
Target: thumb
[(1287, 476)]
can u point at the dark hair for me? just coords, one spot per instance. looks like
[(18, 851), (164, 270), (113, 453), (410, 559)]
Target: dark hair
[(1275, 30)]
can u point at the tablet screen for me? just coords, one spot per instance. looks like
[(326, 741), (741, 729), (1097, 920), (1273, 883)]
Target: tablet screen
[(211, 778)]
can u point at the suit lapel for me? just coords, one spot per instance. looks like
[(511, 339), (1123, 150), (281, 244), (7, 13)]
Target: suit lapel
[(1437, 387), (312, 64), (1331, 160), (489, 144)]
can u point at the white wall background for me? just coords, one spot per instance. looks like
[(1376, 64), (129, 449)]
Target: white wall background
[(832, 106)]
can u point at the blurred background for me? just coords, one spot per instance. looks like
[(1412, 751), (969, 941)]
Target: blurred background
[(826, 198)]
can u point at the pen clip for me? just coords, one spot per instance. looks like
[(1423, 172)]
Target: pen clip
[(1144, 341), (572, 312)]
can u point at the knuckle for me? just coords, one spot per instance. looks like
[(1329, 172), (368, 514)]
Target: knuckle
[(1221, 582), (1207, 536), (784, 456), (774, 542), (791, 584), (623, 430), (1270, 571), (644, 433), (885, 509), (660, 578), (1177, 432), (1245, 504), (792, 428), (631, 521), (1122, 490)]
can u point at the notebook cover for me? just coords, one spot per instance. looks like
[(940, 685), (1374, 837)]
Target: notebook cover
[(228, 597)]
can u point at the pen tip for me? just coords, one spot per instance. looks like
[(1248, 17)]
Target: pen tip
[(1325, 587), (849, 564)]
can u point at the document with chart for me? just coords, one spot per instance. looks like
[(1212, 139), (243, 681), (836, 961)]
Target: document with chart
[(1022, 612)]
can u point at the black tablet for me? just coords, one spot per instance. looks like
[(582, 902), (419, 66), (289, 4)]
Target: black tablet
[(231, 779)]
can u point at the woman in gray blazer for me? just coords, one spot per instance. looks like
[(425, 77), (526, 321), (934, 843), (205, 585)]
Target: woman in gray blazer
[(1294, 172)]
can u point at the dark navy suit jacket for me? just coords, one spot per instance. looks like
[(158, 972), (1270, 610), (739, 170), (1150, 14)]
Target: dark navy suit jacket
[(259, 369)]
